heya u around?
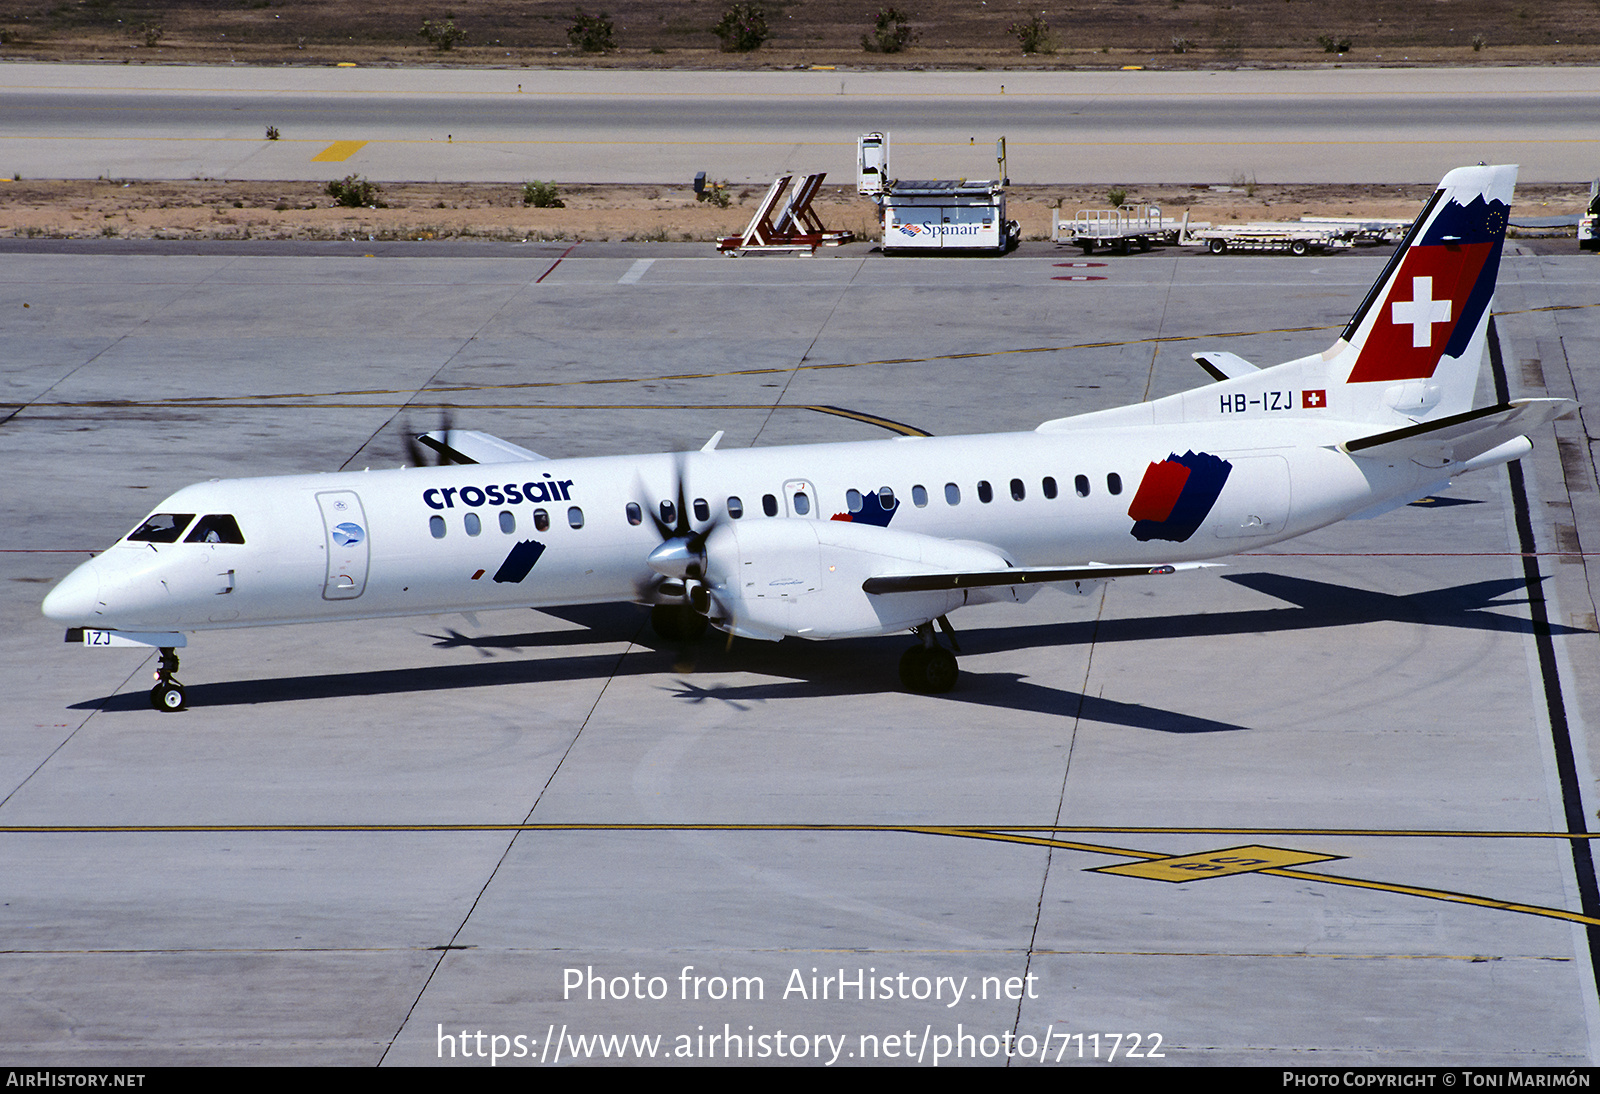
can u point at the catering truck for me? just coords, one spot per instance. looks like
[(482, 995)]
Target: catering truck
[(946, 215)]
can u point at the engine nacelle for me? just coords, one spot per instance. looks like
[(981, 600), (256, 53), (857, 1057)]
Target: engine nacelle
[(772, 578)]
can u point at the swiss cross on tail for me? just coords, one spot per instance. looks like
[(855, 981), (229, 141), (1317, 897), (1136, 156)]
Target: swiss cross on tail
[(1432, 304)]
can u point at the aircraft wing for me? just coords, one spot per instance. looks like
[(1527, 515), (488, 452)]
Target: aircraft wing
[(1018, 575), (1460, 437), (471, 446)]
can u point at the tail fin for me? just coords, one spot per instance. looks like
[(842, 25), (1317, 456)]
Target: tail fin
[(1415, 345)]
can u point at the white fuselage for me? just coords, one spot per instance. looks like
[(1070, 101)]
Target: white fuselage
[(420, 551)]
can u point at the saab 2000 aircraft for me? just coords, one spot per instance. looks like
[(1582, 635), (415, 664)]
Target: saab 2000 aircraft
[(868, 538)]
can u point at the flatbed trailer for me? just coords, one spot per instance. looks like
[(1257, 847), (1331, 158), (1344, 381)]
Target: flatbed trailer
[(1363, 231), (1295, 239), (1308, 235), (1123, 229)]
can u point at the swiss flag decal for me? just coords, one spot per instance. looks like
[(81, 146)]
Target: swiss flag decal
[(1415, 320)]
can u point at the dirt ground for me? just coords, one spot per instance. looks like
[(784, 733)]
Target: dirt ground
[(303, 210), (945, 34), (679, 33)]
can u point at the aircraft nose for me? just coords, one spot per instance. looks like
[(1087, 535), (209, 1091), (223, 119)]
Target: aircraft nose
[(75, 599)]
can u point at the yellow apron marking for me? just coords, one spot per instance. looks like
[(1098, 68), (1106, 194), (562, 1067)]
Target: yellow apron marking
[(233, 402), (1016, 834), (338, 151), (1233, 860)]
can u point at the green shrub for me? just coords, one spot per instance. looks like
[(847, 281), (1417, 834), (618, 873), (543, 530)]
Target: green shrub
[(354, 191), (542, 195), (1330, 44), (442, 36), (1117, 196), (891, 32), (742, 29), (1034, 35), (716, 193), (591, 33)]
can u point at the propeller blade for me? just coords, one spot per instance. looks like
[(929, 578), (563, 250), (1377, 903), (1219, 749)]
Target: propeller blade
[(433, 449), (682, 553)]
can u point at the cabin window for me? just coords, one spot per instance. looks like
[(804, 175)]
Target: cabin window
[(1081, 485), (1114, 483), (541, 520), (575, 517), (802, 504), (919, 496), (436, 526), (1017, 490), (161, 528), (508, 522), (669, 513), (769, 505), (985, 492), (952, 494), (702, 511), (635, 514), (852, 500), (1049, 485), (735, 508), (474, 525), (216, 528), (886, 498)]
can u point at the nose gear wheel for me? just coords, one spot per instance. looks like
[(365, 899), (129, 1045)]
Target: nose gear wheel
[(168, 695)]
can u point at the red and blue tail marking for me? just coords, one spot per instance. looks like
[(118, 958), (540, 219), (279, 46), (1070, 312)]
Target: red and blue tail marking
[(1176, 495)]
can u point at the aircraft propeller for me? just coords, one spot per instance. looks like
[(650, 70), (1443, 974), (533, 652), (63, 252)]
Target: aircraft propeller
[(433, 449), (681, 562)]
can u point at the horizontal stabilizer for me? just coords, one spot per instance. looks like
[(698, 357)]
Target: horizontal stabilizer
[(471, 446), (1460, 437), (1221, 365), (1017, 575)]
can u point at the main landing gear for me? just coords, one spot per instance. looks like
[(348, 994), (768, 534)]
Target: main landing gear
[(168, 693), (928, 668), (678, 622)]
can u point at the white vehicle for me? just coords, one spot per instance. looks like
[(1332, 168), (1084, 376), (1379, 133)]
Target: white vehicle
[(935, 214), (1589, 223), (947, 215), (869, 538)]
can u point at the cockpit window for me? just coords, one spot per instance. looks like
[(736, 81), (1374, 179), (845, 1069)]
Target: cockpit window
[(216, 528), (161, 528)]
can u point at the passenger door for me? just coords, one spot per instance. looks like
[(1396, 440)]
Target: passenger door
[(345, 525)]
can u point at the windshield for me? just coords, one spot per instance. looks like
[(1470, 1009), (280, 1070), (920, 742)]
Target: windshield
[(161, 528)]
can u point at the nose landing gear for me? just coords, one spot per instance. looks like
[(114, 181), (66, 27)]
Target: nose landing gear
[(168, 694)]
